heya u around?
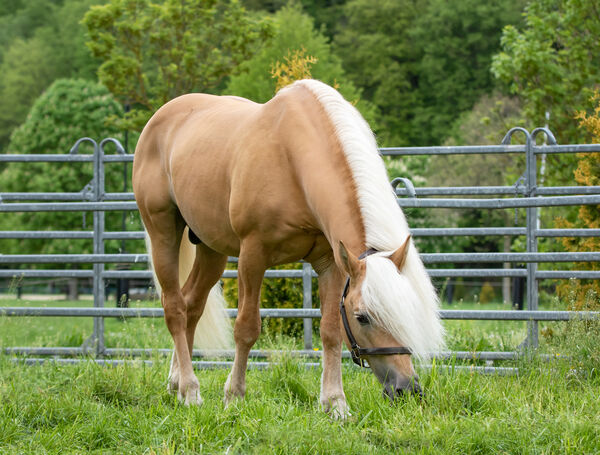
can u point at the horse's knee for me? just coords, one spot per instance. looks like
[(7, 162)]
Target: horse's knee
[(246, 333), (330, 336), (175, 312)]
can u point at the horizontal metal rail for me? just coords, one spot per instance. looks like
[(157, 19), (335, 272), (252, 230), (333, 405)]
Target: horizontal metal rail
[(46, 158), (428, 258), (500, 203), (454, 150), (253, 365), (67, 206), (417, 232), (493, 315), (429, 191), (489, 149), (569, 148), (386, 151), (498, 190), (254, 353), (497, 203), (437, 273)]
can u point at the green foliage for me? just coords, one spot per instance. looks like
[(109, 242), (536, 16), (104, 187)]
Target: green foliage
[(40, 42), (552, 64), (153, 52), (254, 81), (588, 216), (326, 14), (424, 63), (68, 110)]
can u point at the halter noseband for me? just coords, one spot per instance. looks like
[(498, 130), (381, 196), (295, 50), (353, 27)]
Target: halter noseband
[(355, 350)]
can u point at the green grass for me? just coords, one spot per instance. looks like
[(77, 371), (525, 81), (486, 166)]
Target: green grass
[(125, 409), (85, 408)]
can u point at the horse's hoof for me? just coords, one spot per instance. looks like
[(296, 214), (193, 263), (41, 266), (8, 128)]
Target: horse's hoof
[(172, 386), (189, 394), (191, 398), (230, 393), (231, 397), (337, 409)]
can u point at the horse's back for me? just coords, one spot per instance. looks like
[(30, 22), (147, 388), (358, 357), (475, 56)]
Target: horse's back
[(189, 118)]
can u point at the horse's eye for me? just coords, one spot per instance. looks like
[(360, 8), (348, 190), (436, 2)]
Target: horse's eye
[(363, 319)]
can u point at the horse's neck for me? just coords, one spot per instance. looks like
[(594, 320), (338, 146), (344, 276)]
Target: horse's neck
[(321, 167), (331, 194)]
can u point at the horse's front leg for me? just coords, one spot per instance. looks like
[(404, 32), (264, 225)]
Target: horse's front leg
[(333, 399), (251, 269)]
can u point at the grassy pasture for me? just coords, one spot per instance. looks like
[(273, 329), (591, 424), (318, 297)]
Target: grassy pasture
[(125, 409), (85, 408)]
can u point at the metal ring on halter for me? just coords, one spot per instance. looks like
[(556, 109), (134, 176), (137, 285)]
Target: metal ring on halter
[(355, 350)]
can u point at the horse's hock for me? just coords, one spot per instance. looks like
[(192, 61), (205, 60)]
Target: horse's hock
[(525, 194)]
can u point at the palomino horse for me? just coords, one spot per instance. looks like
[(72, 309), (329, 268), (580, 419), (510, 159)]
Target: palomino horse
[(298, 177)]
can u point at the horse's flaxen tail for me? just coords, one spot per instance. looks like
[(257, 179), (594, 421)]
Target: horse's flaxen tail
[(214, 328)]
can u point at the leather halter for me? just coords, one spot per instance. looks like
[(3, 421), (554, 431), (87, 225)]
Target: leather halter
[(355, 350)]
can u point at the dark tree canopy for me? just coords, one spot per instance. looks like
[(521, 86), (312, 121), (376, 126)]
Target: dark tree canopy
[(152, 52), (425, 61)]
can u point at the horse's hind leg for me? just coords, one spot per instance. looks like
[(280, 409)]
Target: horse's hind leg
[(207, 269), (165, 228), (251, 269)]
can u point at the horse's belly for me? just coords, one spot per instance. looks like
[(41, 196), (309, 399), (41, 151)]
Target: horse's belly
[(201, 192)]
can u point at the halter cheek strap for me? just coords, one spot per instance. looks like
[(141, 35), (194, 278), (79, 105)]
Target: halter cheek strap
[(356, 351)]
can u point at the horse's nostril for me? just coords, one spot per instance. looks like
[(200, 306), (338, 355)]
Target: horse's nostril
[(411, 386)]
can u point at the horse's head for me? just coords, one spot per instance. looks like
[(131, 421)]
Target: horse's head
[(388, 306)]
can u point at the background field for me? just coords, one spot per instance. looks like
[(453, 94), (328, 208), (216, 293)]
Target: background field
[(152, 333)]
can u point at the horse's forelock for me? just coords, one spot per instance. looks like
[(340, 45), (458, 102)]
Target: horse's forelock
[(400, 307)]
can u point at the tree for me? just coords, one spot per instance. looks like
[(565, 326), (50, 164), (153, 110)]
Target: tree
[(296, 66), (39, 43), (326, 14), (552, 63), (425, 62), (153, 52), (254, 82), (68, 110)]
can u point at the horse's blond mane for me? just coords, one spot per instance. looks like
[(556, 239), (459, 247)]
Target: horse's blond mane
[(404, 304)]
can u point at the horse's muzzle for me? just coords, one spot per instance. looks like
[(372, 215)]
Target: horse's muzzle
[(402, 389)]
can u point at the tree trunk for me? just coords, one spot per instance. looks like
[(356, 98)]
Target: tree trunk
[(73, 287)]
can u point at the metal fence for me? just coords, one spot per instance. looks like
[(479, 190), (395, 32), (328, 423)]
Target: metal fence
[(524, 194)]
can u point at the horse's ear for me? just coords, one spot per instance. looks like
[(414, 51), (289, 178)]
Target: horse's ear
[(349, 261), (398, 257)]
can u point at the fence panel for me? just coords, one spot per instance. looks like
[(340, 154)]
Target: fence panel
[(526, 194)]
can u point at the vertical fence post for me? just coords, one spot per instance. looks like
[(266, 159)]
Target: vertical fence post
[(532, 285), (307, 303), (99, 247)]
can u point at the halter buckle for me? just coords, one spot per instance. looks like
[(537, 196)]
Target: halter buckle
[(357, 359)]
